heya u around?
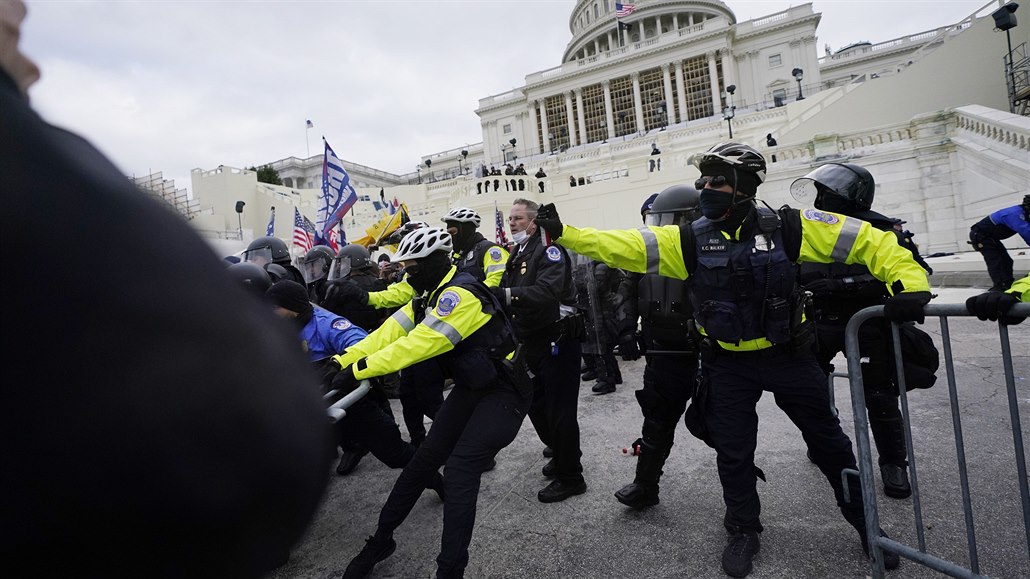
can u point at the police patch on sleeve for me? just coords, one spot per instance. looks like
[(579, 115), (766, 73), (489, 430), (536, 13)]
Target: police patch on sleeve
[(553, 253), (495, 253), (341, 324), (816, 215), (447, 302)]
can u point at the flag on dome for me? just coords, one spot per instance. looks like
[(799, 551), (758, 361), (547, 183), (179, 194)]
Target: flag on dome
[(622, 10), (338, 195), (301, 238), (501, 237)]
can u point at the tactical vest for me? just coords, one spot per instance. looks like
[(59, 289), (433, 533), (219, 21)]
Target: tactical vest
[(365, 316), (471, 262), (744, 290), (474, 361), (664, 308)]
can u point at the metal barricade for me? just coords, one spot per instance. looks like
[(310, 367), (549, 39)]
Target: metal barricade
[(865, 461), (338, 409)]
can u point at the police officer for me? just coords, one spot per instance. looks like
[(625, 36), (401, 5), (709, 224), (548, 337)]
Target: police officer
[(738, 261), (315, 268), (668, 327), (455, 319), (839, 291), (324, 334), (538, 291), (352, 267), (272, 250), (615, 324), (473, 253), (251, 276), (987, 234)]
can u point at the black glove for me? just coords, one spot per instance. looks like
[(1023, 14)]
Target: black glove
[(629, 349), (548, 220), (907, 307), (993, 306), (343, 291), (500, 294), (824, 286), (344, 381), (329, 371)]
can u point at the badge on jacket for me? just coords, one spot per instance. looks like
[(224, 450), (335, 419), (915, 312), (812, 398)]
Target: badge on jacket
[(553, 253), (816, 215), (341, 324), (495, 253), (447, 302)]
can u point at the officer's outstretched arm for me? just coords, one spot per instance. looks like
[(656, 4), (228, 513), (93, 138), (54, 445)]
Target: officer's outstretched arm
[(397, 294), (829, 237), (494, 260), (395, 327), (1021, 289), (646, 250), (457, 315)]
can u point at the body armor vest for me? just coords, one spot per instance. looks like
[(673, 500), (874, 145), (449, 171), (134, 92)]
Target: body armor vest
[(471, 262), (664, 308), (744, 290)]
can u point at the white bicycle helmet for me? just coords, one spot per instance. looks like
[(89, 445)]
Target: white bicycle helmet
[(422, 242), (462, 215)]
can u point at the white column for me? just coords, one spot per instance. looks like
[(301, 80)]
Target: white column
[(755, 95), (675, 22), (690, 19), (570, 119), (681, 86), (542, 103), (534, 144), (609, 116), (580, 117), (638, 105), (713, 74), (728, 77), (670, 107)]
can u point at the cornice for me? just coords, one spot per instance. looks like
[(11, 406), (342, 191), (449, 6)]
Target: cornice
[(812, 18)]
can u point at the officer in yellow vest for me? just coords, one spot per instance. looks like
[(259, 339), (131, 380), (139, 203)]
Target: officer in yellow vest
[(739, 263), (455, 320)]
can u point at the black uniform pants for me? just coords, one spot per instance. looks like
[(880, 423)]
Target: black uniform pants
[(421, 394), (877, 379), (668, 385), (999, 264), (556, 402), (368, 425), (470, 429), (736, 382)]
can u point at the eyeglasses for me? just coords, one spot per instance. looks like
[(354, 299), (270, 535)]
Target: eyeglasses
[(716, 181)]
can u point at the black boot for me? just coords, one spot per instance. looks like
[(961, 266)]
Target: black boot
[(889, 435), (737, 556), (437, 485), (857, 520), (350, 459), (376, 549), (643, 491)]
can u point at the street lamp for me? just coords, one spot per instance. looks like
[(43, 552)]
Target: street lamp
[(239, 216), (728, 110), (419, 169), (429, 164), (664, 114), (798, 75), (1005, 19), (464, 155)]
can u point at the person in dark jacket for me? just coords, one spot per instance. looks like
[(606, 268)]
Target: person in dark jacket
[(181, 433)]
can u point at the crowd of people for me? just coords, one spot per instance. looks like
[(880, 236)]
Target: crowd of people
[(724, 299)]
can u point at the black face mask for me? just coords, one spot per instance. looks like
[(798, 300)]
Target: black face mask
[(716, 205), (426, 274), (834, 204)]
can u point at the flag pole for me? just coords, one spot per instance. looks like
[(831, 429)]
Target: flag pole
[(307, 136)]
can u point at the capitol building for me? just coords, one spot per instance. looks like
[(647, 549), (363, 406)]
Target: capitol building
[(939, 117)]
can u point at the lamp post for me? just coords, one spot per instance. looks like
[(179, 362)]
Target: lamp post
[(239, 216), (429, 165), (728, 110), (1005, 19), (664, 114), (461, 158), (419, 169), (798, 75)]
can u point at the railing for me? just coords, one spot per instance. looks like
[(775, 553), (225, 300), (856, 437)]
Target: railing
[(877, 543), (1014, 132)]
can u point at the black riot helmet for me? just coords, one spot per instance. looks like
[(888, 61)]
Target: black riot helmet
[(351, 257), (276, 272), (675, 205), (837, 187), (251, 276), (316, 263), (267, 249)]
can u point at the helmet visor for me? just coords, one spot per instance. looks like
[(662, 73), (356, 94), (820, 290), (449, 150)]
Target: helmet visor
[(260, 255), (313, 270), (831, 178), (804, 191), (660, 219), (340, 268)]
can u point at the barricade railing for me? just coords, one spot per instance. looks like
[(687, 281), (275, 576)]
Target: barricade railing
[(865, 460)]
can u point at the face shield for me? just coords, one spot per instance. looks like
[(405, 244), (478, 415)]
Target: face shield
[(830, 179), (671, 218), (260, 255), (313, 270), (340, 268)]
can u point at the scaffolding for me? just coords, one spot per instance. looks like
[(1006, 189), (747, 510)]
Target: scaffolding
[(164, 189)]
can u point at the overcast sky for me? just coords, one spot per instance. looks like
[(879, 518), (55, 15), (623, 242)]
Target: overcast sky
[(176, 85)]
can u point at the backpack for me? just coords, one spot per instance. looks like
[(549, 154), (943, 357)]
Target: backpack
[(921, 358)]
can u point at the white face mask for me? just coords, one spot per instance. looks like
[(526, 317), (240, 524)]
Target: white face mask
[(520, 237)]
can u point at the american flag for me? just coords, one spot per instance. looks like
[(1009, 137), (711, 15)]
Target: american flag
[(301, 238), (622, 10), (501, 236)]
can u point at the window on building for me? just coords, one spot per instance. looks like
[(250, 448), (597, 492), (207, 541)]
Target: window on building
[(779, 97), (775, 60), (606, 9), (596, 12), (507, 129)]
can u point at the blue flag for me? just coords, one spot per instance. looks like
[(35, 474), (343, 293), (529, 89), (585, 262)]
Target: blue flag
[(338, 195), (270, 230)]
